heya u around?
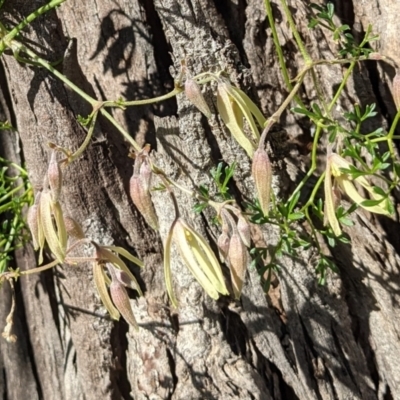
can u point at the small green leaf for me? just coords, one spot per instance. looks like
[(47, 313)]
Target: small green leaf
[(331, 11), (293, 202), (296, 216), (379, 191), (303, 111)]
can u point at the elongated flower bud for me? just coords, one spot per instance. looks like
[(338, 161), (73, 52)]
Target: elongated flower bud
[(194, 95), (223, 246), (54, 175), (262, 175), (142, 199), (238, 263), (396, 90), (121, 301), (119, 295), (243, 228), (73, 229), (223, 239)]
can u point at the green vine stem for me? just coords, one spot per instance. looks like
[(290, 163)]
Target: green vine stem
[(313, 163), (40, 269), (86, 142), (390, 135), (277, 114), (278, 48), (25, 22), (310, 201), (342, 85), (299, 41), (169, 95)]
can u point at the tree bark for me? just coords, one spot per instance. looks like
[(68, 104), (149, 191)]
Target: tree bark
[(299, 341)]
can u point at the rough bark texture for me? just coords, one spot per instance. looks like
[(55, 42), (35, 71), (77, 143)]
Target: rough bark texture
[(301, 341)]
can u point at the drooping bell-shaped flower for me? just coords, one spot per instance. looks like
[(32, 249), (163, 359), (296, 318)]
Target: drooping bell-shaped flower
[(198, 257), (335, 166)]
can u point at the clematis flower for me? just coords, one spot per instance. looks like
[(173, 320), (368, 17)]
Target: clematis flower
[(234, 106), (198, 257), (52, 227), (116, 300), (334, 166)]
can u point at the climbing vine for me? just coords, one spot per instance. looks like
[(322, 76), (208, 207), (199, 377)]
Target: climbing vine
[(360, 166)]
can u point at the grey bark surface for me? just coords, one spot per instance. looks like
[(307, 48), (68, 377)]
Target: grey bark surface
[(300, 341)]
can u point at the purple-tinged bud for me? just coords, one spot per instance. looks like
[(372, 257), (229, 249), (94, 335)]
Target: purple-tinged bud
[(243, 228), (73, 229), (142, 200), (396, 90), (54, 175), (121, 276), (238, 263), (223, 246), (262, 175), (194, 95), (121, 301)]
